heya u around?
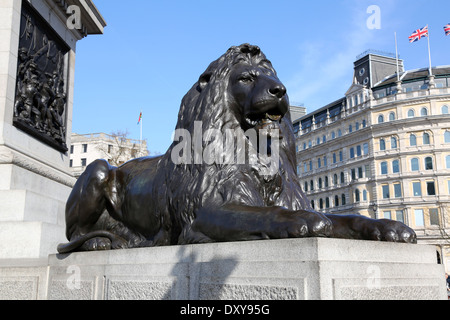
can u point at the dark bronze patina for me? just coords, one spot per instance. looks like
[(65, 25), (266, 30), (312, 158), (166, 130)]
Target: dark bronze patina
[(155, 201), (40, 104)]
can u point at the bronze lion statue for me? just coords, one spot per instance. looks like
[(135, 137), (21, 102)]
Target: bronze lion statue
[(206, 190)]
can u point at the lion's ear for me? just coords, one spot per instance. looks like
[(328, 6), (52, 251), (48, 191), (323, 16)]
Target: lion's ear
[(204, 80)]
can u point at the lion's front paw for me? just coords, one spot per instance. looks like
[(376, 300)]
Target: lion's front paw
[(392, 231), (301, 224)]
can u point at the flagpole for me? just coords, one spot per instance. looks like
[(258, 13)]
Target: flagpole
[(396, 56), (429, 52), (140, 141)]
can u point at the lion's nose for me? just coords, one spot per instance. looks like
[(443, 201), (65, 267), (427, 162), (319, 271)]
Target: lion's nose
[(278, 90)]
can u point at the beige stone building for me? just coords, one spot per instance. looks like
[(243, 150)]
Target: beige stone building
[(117, 149), (383, 150)]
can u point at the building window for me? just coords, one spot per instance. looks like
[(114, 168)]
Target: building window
[(336, 201), (335, 179), (415, 164), (325, 161), (326, 182), (393, 143), (387, 215), (341, 156), (71, 149), (434, 217), (305, 186), (342, 177), (392, 116), (431, 190), (321, 203), (83, 162), (71, 163), (399, 216), (334, 158), (397, 190), (358, 151), (366, 148), (426, 138), (365, 195), (333, 135), (319, 163), (417, 189), (428, 163), (311, 185), (382, 145), (357, 196), (385, 189), (412, 140), (384, 167), (444, 109), (327, 202), (447, 162), (353, 174), (360, 173), (380, 118), (352, 153), (350, 129), (411, 113), (424, 112), (447, 136), (395, 166), (419, 219), (312, 204), (320, 183), (339, 133), (84, 147), (357, 126), (343, 199)]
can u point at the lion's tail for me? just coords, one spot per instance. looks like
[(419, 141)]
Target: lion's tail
[(77, 243)]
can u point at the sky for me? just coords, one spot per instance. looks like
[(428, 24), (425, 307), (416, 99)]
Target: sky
[(152, 52)]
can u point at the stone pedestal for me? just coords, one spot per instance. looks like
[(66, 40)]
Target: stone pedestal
[(291, 269), (37, 62)]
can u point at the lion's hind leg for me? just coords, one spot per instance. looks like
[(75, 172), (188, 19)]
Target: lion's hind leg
[(85, 207)]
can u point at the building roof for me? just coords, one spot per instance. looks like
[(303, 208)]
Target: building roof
[(410, 75)]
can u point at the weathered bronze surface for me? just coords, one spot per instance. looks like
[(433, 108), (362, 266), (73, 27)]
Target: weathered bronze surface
[(40, 103), (191, 196)]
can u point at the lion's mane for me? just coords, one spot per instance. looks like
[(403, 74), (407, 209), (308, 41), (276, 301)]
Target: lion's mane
[(191, 186)]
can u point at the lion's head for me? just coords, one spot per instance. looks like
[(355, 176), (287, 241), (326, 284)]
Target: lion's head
[(242, 82)]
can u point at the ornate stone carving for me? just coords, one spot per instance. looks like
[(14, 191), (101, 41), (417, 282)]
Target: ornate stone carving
[(40, 105)]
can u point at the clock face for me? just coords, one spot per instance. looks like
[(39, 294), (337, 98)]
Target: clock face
[(366, 80), (361, 72)]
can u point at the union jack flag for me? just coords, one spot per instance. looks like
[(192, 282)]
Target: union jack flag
[(447, 29), (419, 34)]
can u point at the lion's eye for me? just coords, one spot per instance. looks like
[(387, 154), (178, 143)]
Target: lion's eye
[(246, 78)]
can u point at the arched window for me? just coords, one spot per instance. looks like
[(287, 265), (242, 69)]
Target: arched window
[(312, 204), (320, 183), (426, 138), (423, 112), (336, 201), (415, 164), (382, 144), (339, 133), (411, 113), (335, 179), (364, 195), (343, 199), (321, 203), (412, 140), (306, 187), (444, 109), (327, 202), (392, 116), (428, 163), (447, 136), (393, 143), (395, 166), (326, 182), (380, 118), (333, 135), (342, 177), (311, 185)]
